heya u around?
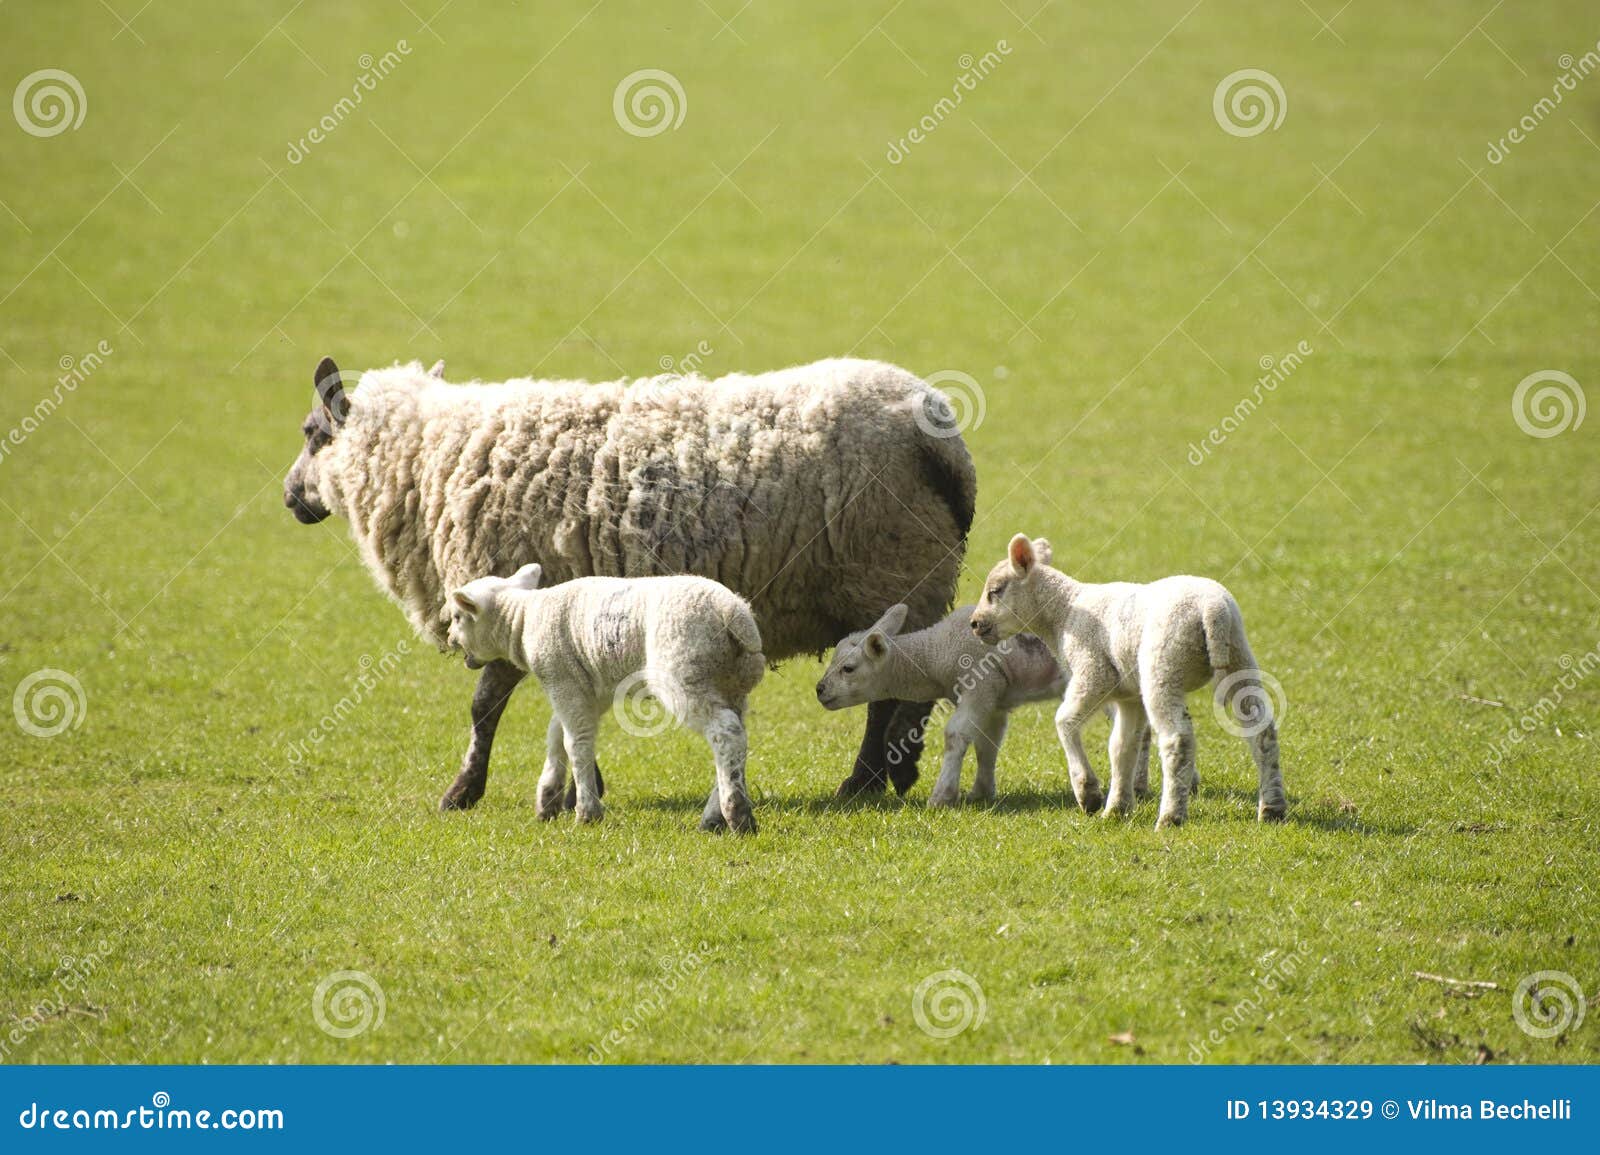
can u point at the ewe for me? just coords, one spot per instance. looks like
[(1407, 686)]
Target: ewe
[(1138, 646), (946, 662), (692, 641), (783, 486)]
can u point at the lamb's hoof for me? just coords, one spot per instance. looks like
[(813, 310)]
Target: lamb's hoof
[(571, 800), (938, 800), (903, 777), (591, 814), (713, 823), (1117, 807), (1141, 793), (1167, 820), (1194, 784), (461, 795), (1273, 812), (549, 809), (860, 786), (1092, 803), (981, 797), (742, 820)]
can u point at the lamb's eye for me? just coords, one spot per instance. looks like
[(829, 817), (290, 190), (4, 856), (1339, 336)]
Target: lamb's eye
[(847, 669), (995, 591)]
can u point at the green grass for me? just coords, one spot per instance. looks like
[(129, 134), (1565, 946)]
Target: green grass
[(1413, 566)]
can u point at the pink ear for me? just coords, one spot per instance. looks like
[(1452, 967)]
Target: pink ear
[(1021, 553)]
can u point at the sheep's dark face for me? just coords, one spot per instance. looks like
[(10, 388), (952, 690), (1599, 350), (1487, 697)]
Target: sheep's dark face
[(300, 491)]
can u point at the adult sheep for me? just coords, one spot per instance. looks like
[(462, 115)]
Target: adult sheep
[(823, 494)]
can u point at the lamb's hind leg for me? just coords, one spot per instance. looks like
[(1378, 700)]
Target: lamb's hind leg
[(1174, 732), (581, 724), (489, 700), (724, 733), (554, 779), (988, 742)]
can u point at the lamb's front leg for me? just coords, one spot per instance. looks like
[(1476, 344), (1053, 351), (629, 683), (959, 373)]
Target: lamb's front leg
[(1074, 712), (553, 781), (947, 789), (580, 724)]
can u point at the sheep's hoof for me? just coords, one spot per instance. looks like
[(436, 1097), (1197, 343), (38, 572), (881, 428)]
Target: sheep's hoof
[(903, 777), (742, 821), (860, 786), (938, 800), (1274, 812), (1117, 807), (713, 823), (464, 794), (1167, 820), (591, 814), (1092, 802)]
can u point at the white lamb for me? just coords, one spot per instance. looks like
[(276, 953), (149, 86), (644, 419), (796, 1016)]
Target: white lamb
[(1143, 648), (692, 641), (948, 663)]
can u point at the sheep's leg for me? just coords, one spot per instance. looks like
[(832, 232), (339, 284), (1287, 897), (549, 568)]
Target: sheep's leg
[(988, 742), (870, 775), (553, 782), (495, 685), (724, 733), (947, 789), (1126, 729), (581, 724), (1075, 710), (1175, 739), (908, 730)]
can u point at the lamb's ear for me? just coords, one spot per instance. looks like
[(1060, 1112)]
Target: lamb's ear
[(437, 370), (528, 577), (466, 603), (893, 620), (1042, 553), (330, 390), (876, 644), (1021, 555)]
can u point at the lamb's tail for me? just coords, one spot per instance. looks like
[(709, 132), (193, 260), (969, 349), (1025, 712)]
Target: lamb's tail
[(741, 624), (1226, 648)]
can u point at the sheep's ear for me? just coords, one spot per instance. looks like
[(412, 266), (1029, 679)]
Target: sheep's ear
[(876, 645), (330, 390), (527, 578), (893, 620), (1021, 555), (466, 603), (437, 370), (1042, 553)]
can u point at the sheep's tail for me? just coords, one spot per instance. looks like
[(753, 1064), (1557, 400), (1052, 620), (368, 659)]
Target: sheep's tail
[(948, 469)]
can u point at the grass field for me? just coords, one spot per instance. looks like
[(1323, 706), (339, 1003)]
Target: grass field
[(1085, 240)]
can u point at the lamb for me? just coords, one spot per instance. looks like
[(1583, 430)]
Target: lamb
[(1143, 648), (783, 486), (947, 662), (692, 642)]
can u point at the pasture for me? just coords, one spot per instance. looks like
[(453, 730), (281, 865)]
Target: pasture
[(1289, 359)]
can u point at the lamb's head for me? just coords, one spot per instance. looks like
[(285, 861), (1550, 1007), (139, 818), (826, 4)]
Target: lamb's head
[(858, 672), (301, 489), (1010, 601), (478, 626)]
